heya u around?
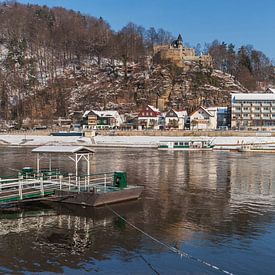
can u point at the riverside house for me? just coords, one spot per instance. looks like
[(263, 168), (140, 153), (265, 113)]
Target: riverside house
[(204, 119), (175, 119), (102, 119), (149, 118)]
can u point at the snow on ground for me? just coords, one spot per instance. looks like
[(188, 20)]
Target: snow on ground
[(131, 141), (154, 140), (22, 140)]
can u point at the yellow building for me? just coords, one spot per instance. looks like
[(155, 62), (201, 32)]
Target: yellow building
[(180, 55)]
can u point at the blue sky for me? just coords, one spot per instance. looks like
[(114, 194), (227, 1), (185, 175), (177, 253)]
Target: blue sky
[(241, 22)]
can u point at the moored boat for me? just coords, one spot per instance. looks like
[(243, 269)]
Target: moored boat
[(263, 148), (182, 145)]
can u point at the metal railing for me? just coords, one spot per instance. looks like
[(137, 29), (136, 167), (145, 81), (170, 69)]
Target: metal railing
[(37, 185)]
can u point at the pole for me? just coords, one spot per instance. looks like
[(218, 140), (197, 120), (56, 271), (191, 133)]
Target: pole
[(20, 188), (76, 168), (88, 169), (42, 186), (50, 167), (38, 163)]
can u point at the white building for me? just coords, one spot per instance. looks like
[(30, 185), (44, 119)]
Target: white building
[(255, 111), (175, 119), (102, 119), (204, 119)]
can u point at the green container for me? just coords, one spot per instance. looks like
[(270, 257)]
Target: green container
[(120, 179), (26, 172)]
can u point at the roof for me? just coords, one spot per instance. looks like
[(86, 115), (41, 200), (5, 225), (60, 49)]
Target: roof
[(153, 108), (179, 114), (204, 109), (252, 96), (106, 113), (272, 90), (114, 114), (62, 149)]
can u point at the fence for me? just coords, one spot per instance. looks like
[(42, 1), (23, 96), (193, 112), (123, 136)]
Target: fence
[(35, 185)]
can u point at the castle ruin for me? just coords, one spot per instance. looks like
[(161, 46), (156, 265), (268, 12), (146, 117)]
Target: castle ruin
[(180, 55)]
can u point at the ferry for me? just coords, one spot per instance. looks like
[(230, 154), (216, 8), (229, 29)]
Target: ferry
[(261, 148), (51, 186), (189, 145)]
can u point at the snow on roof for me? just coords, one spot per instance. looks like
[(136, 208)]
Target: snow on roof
[(153, 108), (106, 113), (86, 113), (181, 113), (272, 90), (252, 96), (204, 109), (62, 149)]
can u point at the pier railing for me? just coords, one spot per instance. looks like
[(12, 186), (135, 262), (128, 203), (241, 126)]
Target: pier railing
[(37, 185)]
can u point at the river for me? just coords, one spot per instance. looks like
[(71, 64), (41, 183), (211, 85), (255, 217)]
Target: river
[(217, 208)]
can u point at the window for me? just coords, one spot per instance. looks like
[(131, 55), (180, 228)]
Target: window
[(257, 108), (266, 108)]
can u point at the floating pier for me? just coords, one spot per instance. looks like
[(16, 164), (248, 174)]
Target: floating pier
[(52, 186)]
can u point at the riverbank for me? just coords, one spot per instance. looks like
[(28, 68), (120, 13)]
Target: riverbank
[(220, 142)]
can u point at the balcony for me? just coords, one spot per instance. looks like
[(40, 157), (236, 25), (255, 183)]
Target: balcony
[(236, 105), (256, 104), (266, 104), (266, 116)]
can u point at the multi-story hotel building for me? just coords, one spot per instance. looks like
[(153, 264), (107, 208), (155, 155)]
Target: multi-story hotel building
[(253, 111)]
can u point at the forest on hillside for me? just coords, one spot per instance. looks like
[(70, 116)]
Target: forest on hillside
[(37, 44)]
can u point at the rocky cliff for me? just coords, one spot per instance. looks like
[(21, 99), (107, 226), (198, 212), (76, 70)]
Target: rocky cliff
[(164, 86)]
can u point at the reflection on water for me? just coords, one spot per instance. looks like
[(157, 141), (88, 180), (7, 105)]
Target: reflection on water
[(218, 206)]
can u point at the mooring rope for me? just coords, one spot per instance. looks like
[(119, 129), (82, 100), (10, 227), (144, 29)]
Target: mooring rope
[(169, 247)]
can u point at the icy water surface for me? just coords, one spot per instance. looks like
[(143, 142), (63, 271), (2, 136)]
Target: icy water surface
[(215, 206)]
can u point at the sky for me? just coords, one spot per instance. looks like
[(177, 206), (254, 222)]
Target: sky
[(241, 22)]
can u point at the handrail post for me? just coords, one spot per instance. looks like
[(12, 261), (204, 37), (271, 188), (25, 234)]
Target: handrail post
[(60, 182), (69, 182), (79, 184), (105, 182), (0, 185), (20, 188), (42, 186)]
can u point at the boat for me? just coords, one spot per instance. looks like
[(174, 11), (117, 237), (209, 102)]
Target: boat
[(66, 134), (189, 145), (260, 147)]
